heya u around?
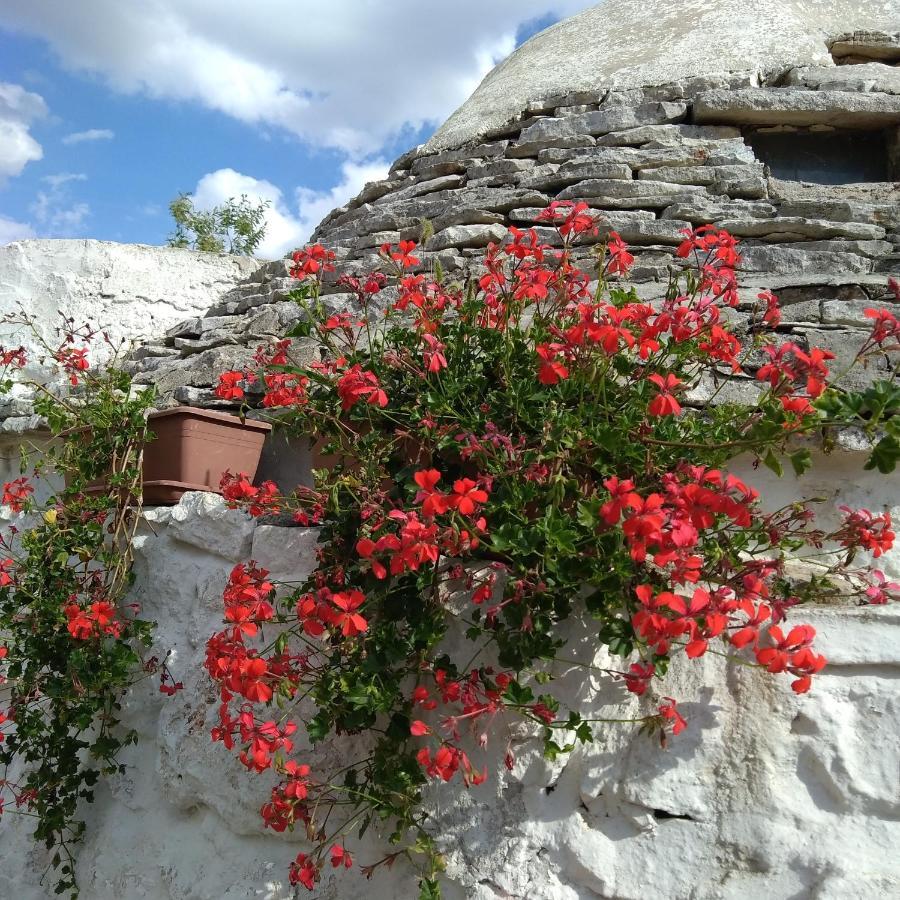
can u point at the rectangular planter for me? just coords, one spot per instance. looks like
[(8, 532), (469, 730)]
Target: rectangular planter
[(192, 449)]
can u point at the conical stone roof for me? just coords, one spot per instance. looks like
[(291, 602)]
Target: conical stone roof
[(635, 43)]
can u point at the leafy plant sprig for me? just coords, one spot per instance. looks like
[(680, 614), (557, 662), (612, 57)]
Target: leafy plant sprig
[(70, 642)]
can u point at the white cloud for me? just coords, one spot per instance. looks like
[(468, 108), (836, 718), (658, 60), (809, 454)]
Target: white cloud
[(61, 178), (55, 210), (18, 110), (14, 231), (288, 225), (345, 74), (92, 134)]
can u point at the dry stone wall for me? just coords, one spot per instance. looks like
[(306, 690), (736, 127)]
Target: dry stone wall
[(650, 162)]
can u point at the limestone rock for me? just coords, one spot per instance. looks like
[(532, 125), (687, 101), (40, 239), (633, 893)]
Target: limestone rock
[(203, 520), (866, 77), (552, 177), (796, 226), (628, 44), (629, 194), (790, 106), (669, 135), (466, 236), (741, 181)]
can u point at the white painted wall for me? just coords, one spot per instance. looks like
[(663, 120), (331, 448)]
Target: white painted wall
[(132, 290), (766, 795)]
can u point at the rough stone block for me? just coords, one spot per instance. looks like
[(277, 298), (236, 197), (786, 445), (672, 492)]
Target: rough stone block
[(669, 135), (202, 520), (429, 186), (629, 194), (791, 106), (745, 181), (793, 226), (551, 177), (460, 236), (523, 149), (777, 260), (867, 77)]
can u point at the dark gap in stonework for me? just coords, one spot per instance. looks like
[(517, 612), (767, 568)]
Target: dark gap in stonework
[(831, 157)]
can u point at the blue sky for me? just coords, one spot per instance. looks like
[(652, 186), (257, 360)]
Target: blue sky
[(108, 110)]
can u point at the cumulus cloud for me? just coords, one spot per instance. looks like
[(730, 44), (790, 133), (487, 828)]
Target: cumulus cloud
[(344, 74), (92, 134), (18, 110), (289, 223), (14, 231)]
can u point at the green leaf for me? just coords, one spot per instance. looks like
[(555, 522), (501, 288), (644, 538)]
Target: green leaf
[(801, 460), (772, 462), (884, 455)]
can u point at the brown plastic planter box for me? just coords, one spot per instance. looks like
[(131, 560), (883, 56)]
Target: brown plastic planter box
[(193, 448)]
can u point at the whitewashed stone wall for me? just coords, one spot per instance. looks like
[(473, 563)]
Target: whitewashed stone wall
[(765, 795), (132, 291)]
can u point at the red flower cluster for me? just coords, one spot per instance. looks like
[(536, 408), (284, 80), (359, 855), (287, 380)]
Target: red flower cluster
[(16, 494), (312, 262), (355, 385), (229, 386), (74, 361), (410, 541), (685, 551), (326, 609), (98, 619), (258, 501), (864, 529), (246, 598)]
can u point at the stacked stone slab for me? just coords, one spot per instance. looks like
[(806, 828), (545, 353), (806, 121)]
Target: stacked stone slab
[(651, 162)]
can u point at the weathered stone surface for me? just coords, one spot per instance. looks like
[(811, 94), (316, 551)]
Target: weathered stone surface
[(376, 239), (467, 216), (886, 214), (629, 156), (790, 106), (429, 186), (619, 218), (779, 260), (480, 169), (375, 189), (877, 250), (614, 117), (866, 77), (669, 135), (878, 193), (650, 194), (703, 209), (793, 226), (524, 149), (133, 291), (202, 520), (867, 44), (460, 155), (551, 176), (627, 44), (737, 181), (466, 236)]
